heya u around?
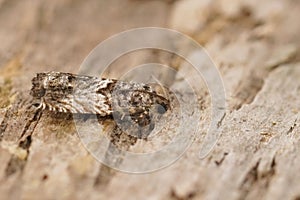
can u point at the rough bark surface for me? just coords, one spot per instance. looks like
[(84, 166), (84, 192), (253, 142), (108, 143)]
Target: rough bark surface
[(255, 45)]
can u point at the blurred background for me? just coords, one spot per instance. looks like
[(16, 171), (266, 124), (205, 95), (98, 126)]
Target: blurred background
[(248, 41), (57, 35)]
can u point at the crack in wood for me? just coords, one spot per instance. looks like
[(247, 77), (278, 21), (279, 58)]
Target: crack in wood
[(270, 172), (17, 163), (248, 88), (291, 56), (219, 124), (14, 165), (219, 162), (188, 196), (118, 141), (254, 176), (249, 181), (4, 123), (36, 117), (25, 144), (251, 85), (292, 127)]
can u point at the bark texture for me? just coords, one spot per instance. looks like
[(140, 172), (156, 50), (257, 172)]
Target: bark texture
[(255, 45)]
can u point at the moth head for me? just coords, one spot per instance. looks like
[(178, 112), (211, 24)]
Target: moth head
[(148, 101)]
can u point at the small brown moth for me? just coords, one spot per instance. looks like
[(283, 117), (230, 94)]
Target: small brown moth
[(133, 104)]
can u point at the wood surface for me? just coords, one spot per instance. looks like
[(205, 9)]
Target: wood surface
[(254, 44)]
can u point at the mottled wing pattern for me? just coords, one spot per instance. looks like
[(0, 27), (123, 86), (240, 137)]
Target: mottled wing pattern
[(91, 96), (134, 106), (64, 92)]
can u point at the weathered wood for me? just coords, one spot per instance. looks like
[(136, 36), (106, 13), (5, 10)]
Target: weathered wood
[(256, 48)]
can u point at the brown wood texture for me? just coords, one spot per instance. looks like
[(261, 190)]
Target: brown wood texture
[(255, 45)]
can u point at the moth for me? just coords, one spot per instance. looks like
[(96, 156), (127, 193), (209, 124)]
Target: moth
[(135, 105)]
